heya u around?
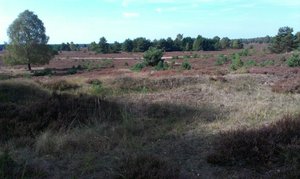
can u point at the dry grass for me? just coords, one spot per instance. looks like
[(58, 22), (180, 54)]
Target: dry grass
[(176, 118)]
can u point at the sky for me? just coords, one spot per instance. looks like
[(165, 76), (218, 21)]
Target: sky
[(85, 21)]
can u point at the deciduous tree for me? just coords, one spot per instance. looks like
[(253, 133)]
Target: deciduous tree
[(27, 41)]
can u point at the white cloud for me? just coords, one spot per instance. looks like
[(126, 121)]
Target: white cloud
[(130, 14)]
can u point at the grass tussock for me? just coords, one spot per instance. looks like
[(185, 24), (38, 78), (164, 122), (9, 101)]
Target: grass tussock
[(146, 166), (271, 146)]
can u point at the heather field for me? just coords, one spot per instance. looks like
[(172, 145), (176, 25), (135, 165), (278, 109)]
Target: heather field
[(88, 115)]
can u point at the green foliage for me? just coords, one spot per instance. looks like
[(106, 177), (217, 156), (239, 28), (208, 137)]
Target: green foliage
[(161, 66), (153, 56), (141, 44), (237, 44), (283, 41), (28, 41), (45, 72), (127, 45), (236, 62), (186, 65), (250, 63), (267, 63), (225, 43), (97, 87), (197, 45), (221, 59), (138, 67), (244, 52), (103, 45), (294, 60)]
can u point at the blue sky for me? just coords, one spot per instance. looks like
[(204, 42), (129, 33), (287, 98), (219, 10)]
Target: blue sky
[(84, 21)]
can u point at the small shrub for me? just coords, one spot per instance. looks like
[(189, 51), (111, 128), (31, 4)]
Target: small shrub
[(97, 88), (153, 56), (138, 67), (250, 63), (267, 63), (147, 167), (236, 62), (294, 60), (161, 66), (244, 52), (186, 65), (221, 59)]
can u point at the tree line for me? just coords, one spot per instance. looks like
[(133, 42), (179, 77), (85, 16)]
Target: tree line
[(142, 44), (28, 43)]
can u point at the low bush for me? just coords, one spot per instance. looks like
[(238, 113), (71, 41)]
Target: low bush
[(294, 60), (153, 56), (267, 63), (161, 66), (236, 62), (250, 63), (146, 167), (268, 147), (138, 67), (221, 59), (244, 52), (186, 65)]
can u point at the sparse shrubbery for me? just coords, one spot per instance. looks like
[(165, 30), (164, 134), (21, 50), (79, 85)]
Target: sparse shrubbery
[(265, 147), (294, 60)]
